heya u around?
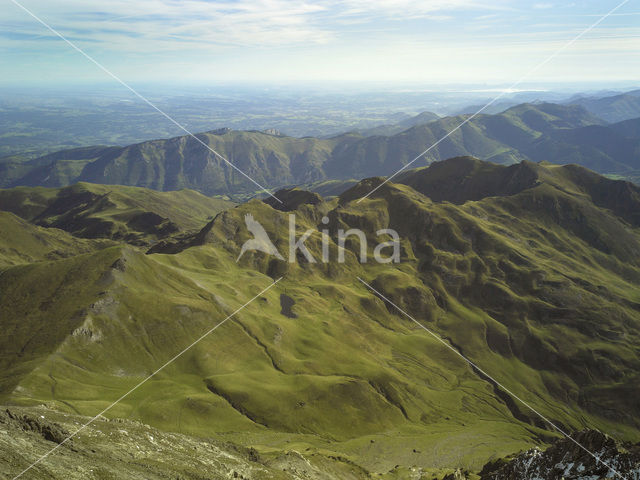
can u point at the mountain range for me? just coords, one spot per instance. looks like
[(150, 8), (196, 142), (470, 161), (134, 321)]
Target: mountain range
[(609, 106), (531, 270), (537, 132), (613, 108)]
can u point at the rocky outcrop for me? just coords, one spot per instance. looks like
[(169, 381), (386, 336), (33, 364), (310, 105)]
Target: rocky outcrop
[(52, 432), (590, 455)]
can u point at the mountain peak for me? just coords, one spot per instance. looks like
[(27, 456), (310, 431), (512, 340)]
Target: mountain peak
[(360, 189), (461, 179), (292, 198)]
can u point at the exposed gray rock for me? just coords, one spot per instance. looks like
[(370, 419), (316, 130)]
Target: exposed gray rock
[(567, 460)]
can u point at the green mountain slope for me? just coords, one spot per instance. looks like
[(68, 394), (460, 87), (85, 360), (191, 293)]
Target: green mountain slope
[(22, 242), (183, 162), (498, 138), (538, 132), (627, 128), (615, 108), (131, 214), (462, 179), (596, 147), (532, 272)]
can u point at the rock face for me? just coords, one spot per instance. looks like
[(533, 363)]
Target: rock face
[(119, 448), (567, 460), (457, 475), (52, 432)]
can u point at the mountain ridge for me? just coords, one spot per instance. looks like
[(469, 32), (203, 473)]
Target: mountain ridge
[(613, 108), (133, 214), (529, 131), (538, 285)]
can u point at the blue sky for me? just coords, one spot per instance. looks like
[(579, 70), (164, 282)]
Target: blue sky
[(282, 41)]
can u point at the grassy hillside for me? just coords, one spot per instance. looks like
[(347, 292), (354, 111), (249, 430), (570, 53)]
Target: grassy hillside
[(533, 274), (604, 149), (538, 132), (22, 242), (131, 214), (615, 108)]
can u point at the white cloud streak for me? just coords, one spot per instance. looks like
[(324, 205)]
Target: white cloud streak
[(242, 22), (312, 39)]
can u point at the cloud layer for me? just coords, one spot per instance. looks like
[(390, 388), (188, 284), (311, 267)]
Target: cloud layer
[(306, 39)]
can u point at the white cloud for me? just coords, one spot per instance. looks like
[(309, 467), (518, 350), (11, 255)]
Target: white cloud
[(256, 22), (226, 22), (403, 9), (313, 39)]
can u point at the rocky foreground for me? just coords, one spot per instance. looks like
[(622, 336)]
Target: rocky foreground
[(124, 449), (118, 448), (567, 460)]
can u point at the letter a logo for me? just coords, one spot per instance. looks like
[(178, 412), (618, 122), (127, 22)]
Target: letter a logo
[(261, 241)]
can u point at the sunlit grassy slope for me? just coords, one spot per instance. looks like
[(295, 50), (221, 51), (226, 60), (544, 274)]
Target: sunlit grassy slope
[(538, 285), (131, 214), (23, 242)]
